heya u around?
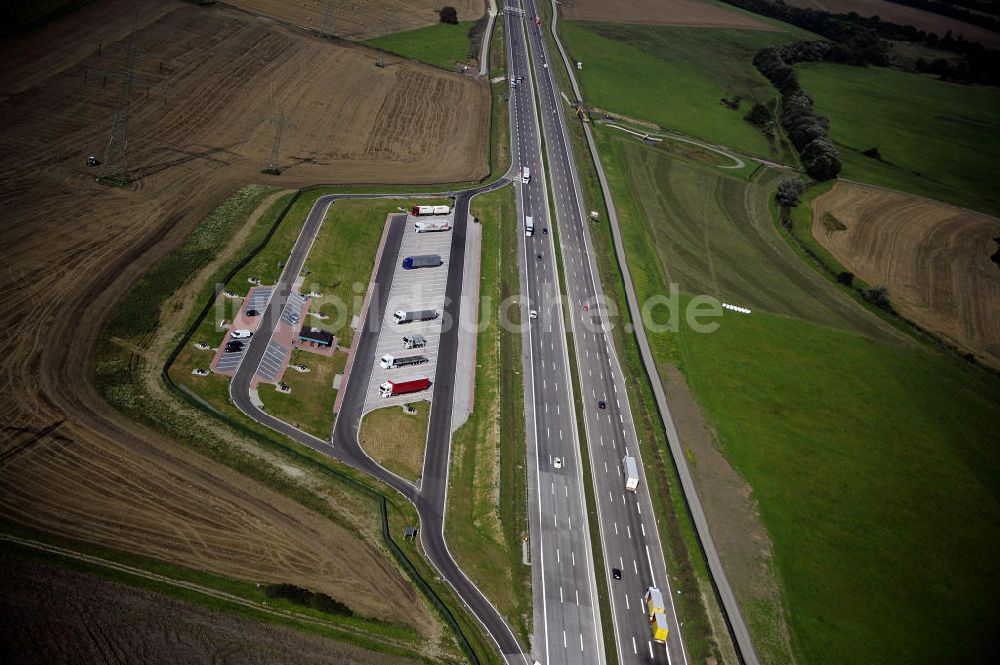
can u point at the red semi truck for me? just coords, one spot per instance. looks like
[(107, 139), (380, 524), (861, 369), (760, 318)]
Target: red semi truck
[(393, 388)]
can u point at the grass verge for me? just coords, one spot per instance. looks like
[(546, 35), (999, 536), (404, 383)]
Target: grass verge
[(487, 522)]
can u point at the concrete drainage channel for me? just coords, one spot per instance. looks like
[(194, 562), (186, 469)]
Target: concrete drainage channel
[(413, 289)]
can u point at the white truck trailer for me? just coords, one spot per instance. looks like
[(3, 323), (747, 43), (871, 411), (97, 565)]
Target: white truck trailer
[(429, 227), (631, 473), (403, 316), (420, 211)]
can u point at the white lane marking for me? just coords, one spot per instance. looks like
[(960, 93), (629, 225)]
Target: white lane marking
[(573, 556), (643, 527), (634, 650), (605, 466), (616, 528), (627, 605), (558, 557), (577, 597), (560, 595), (650, 643), (581, 642), (629, 531), (564, 639), (650, 562), (635, 567)]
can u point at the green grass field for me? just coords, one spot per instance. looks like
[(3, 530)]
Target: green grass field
[(676, 77), (396, 439), (310, 404), (485, 534), (937, 139), (871, 461), (440, 44)]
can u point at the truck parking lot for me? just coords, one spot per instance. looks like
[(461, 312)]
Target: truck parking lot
[(415, 288)]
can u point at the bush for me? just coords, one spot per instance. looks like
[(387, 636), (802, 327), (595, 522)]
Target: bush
[(846, 278), (878, 296), (449, 15), (307, 598)]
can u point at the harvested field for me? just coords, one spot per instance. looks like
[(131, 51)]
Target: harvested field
[(365, 19), (685, 13), (51, 616), (903, 15), (71, 465), (934, 259)]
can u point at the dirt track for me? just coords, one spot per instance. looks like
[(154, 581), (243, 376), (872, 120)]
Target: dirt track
[(72, 247), (362, 19), (934, 258), (681, 13)]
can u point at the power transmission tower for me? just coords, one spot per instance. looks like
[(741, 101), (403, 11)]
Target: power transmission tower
[(114, 169), (326, 30), (280, 124)]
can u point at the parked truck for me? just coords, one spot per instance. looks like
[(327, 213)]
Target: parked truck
[(529, 226), (390, 361), (420, 211), (414, 341), (403, 316), (631, 473), (394, 388), (426, 227), (525, 175), (422, 261)]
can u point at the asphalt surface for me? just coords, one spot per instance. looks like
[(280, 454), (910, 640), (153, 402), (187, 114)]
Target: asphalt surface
[(628, 533), (566, 613), (733, 615), (430, 498)]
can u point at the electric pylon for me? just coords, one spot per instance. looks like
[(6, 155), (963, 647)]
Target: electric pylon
[(114, 169)]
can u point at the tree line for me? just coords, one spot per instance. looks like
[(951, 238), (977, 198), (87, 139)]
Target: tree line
[(861, 34), (307, 598)]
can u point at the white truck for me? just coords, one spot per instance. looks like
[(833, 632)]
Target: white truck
[(428, 227), (631, 473), (529, 226), (525, 175), (390, 361), (404, 316)]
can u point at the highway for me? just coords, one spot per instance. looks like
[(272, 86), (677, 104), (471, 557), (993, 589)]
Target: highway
[(430, 498), (628, 533), (566, 613)]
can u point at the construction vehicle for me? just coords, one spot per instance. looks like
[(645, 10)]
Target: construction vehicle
[(403, 316), (420, 211), (424, 227), (390, 361), (394, 388), (422, 261), (631, 473)]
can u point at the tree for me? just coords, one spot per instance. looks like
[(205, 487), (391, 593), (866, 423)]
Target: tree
[(789, 192), (878, 296), (449, 15), (821, 160), (846, 278)]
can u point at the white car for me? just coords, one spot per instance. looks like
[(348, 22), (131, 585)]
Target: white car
[(242, 334), (557, 462), (533, 314)]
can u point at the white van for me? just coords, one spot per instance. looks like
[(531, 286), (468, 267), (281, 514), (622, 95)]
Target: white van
[(525, 175)]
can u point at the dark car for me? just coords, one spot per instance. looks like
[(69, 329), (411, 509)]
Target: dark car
[(616, 573), (601, 404), (539, 257), (251, 312), (545, 230), (234, 346)]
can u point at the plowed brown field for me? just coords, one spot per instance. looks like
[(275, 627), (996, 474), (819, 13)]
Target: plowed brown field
[(362, 19), (934, 259), (903, 15), (684, 13), (71, 248), (50, 616)]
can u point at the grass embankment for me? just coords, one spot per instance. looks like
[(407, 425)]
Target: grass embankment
[(441, 44), (335, 491), (871, 462), (936, 139), (677, 77), (397, 439), (486, 519), (704, 629)]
